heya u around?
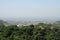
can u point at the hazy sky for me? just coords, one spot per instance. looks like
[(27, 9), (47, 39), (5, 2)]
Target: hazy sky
[(29, 8)]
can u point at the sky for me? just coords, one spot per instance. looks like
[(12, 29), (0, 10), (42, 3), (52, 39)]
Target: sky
[(29, 8)]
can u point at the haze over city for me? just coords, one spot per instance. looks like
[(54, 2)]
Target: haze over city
[(30, 9)]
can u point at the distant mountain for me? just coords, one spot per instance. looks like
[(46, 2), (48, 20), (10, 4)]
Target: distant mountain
[(27, 20), (33, 19)]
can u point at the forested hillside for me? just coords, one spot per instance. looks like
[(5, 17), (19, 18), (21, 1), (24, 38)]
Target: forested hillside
[(32, 32)]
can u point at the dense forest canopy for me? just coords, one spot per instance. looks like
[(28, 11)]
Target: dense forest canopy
[(40, 31)]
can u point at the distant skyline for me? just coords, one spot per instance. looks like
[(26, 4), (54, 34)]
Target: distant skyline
[(29, 8)]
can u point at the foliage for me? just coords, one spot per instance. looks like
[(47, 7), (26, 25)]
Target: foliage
[(31, 32)]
